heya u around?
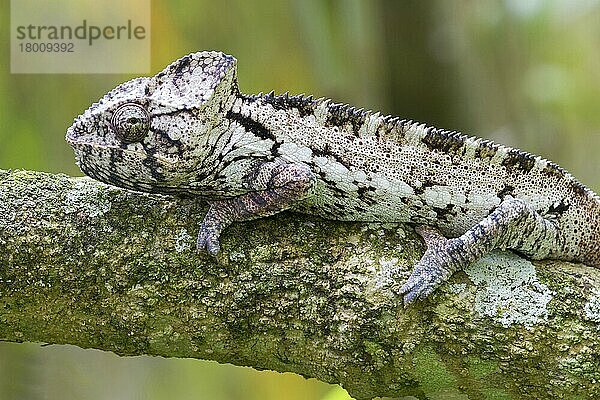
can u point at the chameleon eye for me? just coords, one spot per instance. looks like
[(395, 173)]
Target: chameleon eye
[(131, 122)]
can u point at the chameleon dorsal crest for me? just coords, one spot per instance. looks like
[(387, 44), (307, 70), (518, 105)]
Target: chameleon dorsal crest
[(196, 81)]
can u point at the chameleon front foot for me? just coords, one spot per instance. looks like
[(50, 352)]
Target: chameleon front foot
[(208, 240), (218, 217), (274, 187), (433, 269)]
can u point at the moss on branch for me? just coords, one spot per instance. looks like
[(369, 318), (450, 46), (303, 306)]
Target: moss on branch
[(96, 266)]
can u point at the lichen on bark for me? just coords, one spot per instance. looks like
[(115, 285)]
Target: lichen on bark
[(96, 266)]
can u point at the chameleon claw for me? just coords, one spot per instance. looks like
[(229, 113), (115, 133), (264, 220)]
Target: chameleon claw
[(409, 298), (423, 281), (409, 295), (418, 286), (420, 292), (208, 241)]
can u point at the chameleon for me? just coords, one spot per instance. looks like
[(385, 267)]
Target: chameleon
[(189, 130)]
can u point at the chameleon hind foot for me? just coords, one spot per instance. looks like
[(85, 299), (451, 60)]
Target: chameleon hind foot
[(513, 225)]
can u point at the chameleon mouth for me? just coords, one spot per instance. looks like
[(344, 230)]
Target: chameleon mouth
[(82, 149), (76, 139)]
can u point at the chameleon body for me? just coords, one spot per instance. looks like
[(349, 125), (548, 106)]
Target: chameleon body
[(189, 131)]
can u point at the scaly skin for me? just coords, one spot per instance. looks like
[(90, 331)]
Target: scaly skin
[(188, 130)]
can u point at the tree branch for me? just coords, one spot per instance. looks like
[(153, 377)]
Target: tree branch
[(96, 266)]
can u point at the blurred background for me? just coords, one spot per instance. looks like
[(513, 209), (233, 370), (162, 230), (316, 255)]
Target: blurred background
[(522, 72)]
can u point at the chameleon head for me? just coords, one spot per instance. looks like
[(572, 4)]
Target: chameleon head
[(150, 134)]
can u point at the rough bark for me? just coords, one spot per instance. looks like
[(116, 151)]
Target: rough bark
[(96, 266)]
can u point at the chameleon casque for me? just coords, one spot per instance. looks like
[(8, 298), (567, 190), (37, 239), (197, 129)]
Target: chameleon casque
[(188, 130)]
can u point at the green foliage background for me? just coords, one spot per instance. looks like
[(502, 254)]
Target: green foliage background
[(524, 73)]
